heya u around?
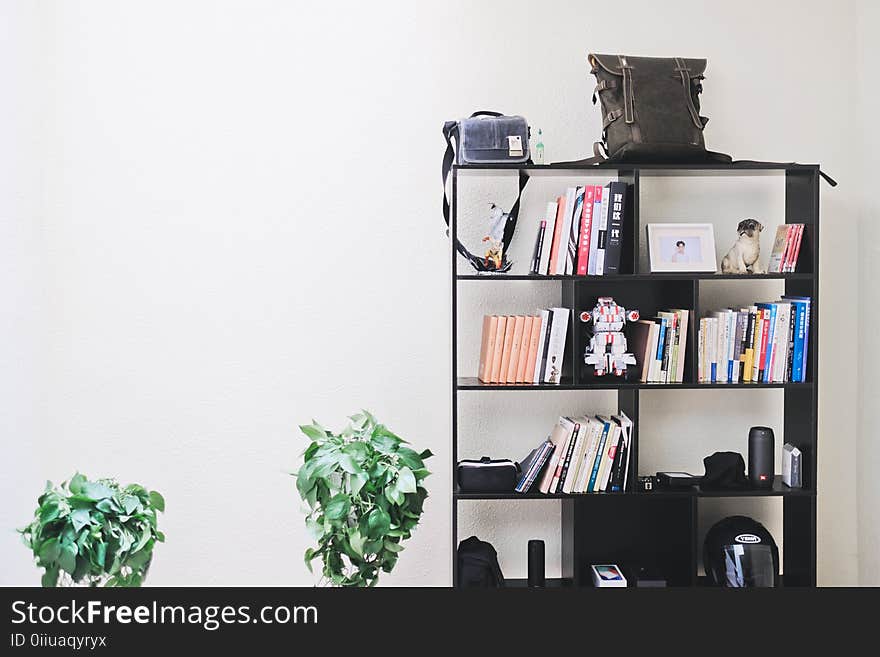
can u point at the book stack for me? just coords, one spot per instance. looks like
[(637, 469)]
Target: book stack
[(523, 349), (581, 233), (659, 345), (786, 248), (588, 454), (763, 343)]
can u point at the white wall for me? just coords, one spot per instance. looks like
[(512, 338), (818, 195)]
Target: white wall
[(224, 221), (868, 106)]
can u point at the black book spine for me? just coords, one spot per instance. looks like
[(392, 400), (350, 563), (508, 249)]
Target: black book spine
[(621, 464), (546, 346), (614, 481), (568, 454), (539, 246), (614, 235)]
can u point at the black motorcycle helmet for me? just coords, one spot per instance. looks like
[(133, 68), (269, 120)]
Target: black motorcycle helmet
[(739, 552)]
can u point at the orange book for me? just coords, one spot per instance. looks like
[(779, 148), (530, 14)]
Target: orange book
[(506, 349), (524, 350), (534, 339), (557, 235), (487, 347), (495, 370), (515, 345)]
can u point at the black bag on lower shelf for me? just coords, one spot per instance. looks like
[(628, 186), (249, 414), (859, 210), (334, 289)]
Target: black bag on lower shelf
[(478, 565)]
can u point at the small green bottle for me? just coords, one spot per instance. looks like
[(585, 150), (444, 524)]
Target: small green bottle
[(539, 148)]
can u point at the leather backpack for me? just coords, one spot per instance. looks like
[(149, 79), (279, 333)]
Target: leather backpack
[(478, 565), (651, 109)]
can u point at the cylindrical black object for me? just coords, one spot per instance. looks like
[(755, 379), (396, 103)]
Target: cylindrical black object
[(536, 563), (761, 450)]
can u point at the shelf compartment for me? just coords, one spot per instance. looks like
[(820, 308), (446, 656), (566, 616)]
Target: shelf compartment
[(465, 383), (739, 168), (660, 276), (779, 489)]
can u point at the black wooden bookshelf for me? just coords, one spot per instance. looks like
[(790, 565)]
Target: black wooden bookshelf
[(659, 527)]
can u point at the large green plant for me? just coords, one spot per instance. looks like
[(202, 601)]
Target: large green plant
[(365, 495), (94, 532)]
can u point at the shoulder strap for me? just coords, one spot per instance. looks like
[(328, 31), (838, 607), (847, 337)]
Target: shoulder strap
[(451, 133)]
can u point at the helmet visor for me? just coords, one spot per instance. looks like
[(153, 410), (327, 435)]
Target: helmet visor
[(747, 566)]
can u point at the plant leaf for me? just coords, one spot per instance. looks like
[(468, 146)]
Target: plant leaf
[(378, 523), (157, 501), (313, 431), (80, 518), (338, 507), (406, 480), (67, 557), (95, 490), (76, 483)]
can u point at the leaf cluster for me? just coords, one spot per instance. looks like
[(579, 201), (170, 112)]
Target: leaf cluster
[(364, 488), (94, 532)]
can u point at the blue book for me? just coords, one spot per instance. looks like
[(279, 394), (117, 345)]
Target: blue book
[(802, 336), (768, 354), (661, 338), (601, 450)]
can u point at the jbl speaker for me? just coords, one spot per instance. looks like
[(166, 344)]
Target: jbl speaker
[(536, 563), (761, 449)]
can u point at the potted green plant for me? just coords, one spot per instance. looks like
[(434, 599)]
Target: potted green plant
[(364, 489), (94, 533)]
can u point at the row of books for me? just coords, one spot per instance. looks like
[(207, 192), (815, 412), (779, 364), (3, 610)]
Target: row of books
[(582, 232), (786, 248), (523, 349), (659, 346), (581, 455), (765, 343)]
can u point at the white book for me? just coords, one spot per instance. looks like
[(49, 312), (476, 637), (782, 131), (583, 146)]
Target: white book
[(574, 466), (558, 437), (653, 371), (780, 342), (584, 475), (701, 352), (731, 347), (712, 349), (600, 209), (627, 425), (550, 218), (544, 317), (574, 232), (721, 346), (608, 457), (568, 427), (556, 345), (565, 229), (603, 231), (594, 451)]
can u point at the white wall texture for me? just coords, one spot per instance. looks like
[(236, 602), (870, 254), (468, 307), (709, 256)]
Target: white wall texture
[(220, 219)]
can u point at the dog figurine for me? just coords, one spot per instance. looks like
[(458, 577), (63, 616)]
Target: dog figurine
[(744, 256)]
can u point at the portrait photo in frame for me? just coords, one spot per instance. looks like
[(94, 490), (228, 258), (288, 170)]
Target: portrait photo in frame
[(681, 247)]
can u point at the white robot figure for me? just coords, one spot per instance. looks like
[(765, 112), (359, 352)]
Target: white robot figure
[(607, 347)]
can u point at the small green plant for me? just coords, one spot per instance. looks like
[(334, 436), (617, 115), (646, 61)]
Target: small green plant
[(365, 495), (94, 533)]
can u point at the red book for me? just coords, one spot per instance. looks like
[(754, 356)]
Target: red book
[(796, 249), (586, 225), (557, 235), (765, 330)]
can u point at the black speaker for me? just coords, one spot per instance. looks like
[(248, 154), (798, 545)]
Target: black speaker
[(536, 563), (761, 450)]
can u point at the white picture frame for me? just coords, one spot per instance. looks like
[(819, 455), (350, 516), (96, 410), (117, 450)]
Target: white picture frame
[(681, 247)]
